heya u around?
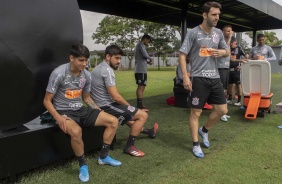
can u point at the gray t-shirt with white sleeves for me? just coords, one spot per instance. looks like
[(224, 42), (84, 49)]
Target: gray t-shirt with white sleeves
[(141, 57), (67, 88), (202, 64), (102, 76)]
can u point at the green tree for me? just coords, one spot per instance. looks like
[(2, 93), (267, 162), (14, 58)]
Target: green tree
[(125, 33), (163, 35), (270, 37)]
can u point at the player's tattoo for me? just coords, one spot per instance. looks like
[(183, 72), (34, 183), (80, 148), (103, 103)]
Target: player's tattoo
[(91, 104)]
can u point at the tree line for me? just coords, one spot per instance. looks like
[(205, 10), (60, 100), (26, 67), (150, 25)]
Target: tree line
[(126, 32)]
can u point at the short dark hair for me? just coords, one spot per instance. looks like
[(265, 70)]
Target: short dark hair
[(260, 35), (226, 26), (208, 5), (146, 36), (79, 50), (113, 50), (233, 39)]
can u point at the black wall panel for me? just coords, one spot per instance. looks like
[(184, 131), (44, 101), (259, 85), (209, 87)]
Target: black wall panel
[(35, 37)]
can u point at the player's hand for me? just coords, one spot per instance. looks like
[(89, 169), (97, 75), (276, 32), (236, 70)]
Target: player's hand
[(216, 52), (150, 61), (231, 34), (187, 84), (256, 57), (238, 68), (61, 121), (243, 60)]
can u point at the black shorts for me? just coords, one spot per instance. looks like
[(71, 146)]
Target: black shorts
[(85, 116), (224, 77), (123, 113), (234, 77), (206, 90), (141, 79)]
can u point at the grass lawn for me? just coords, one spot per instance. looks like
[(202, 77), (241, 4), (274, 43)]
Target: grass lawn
[(242, 151)]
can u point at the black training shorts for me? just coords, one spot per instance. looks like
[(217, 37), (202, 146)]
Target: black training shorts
[(141, 79), (85, 116), (123, 113), (234, 77), (224, 77), (206, 90)]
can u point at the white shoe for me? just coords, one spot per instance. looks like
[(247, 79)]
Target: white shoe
[(197, 151), (229, 102), (224, 118), (238, 104), (205, 137), (227, 116)]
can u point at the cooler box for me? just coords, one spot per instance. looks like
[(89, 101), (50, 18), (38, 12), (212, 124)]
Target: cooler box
[(256, 82)]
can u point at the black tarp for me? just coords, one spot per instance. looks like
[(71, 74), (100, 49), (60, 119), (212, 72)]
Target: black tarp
[(35, 37)]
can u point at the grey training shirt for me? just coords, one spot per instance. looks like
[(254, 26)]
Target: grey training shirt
[(67, 88), (203, 65), (264, 50), (102, 76), (141, 57), (223, 62)]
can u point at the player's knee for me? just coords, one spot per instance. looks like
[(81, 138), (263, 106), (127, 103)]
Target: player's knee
[(76, 132), (222, 111), (196, 112), (114, 122), (141, 115), (144, 115)]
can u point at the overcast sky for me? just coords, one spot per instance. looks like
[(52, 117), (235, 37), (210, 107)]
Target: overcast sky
[(91, 20)]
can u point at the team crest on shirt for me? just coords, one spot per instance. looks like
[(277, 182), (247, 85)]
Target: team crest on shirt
[(131, 108), (82, 82), (215, 37), (195, 101)]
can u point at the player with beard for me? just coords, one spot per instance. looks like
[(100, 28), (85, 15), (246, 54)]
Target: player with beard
[(204, 44), (107, 97), (262, 51), (68, 86)]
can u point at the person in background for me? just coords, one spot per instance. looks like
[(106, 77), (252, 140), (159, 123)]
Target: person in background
[(280, 57), (262, 51), (223, 65), (237, 57), (105, 93), (68, 87), (142, 58)]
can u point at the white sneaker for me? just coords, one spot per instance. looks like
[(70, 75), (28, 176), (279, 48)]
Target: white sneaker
[(205, 137), (197, 151), (229, 102), (238, 104), (224, 118), (227, 116)]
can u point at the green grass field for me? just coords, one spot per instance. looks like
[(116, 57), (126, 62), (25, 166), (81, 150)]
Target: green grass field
[(242, 151)]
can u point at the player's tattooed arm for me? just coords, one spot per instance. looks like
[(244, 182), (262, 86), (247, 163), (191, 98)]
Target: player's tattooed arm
[(88, 100)]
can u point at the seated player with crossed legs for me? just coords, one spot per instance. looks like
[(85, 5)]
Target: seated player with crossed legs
[(105, 94)]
